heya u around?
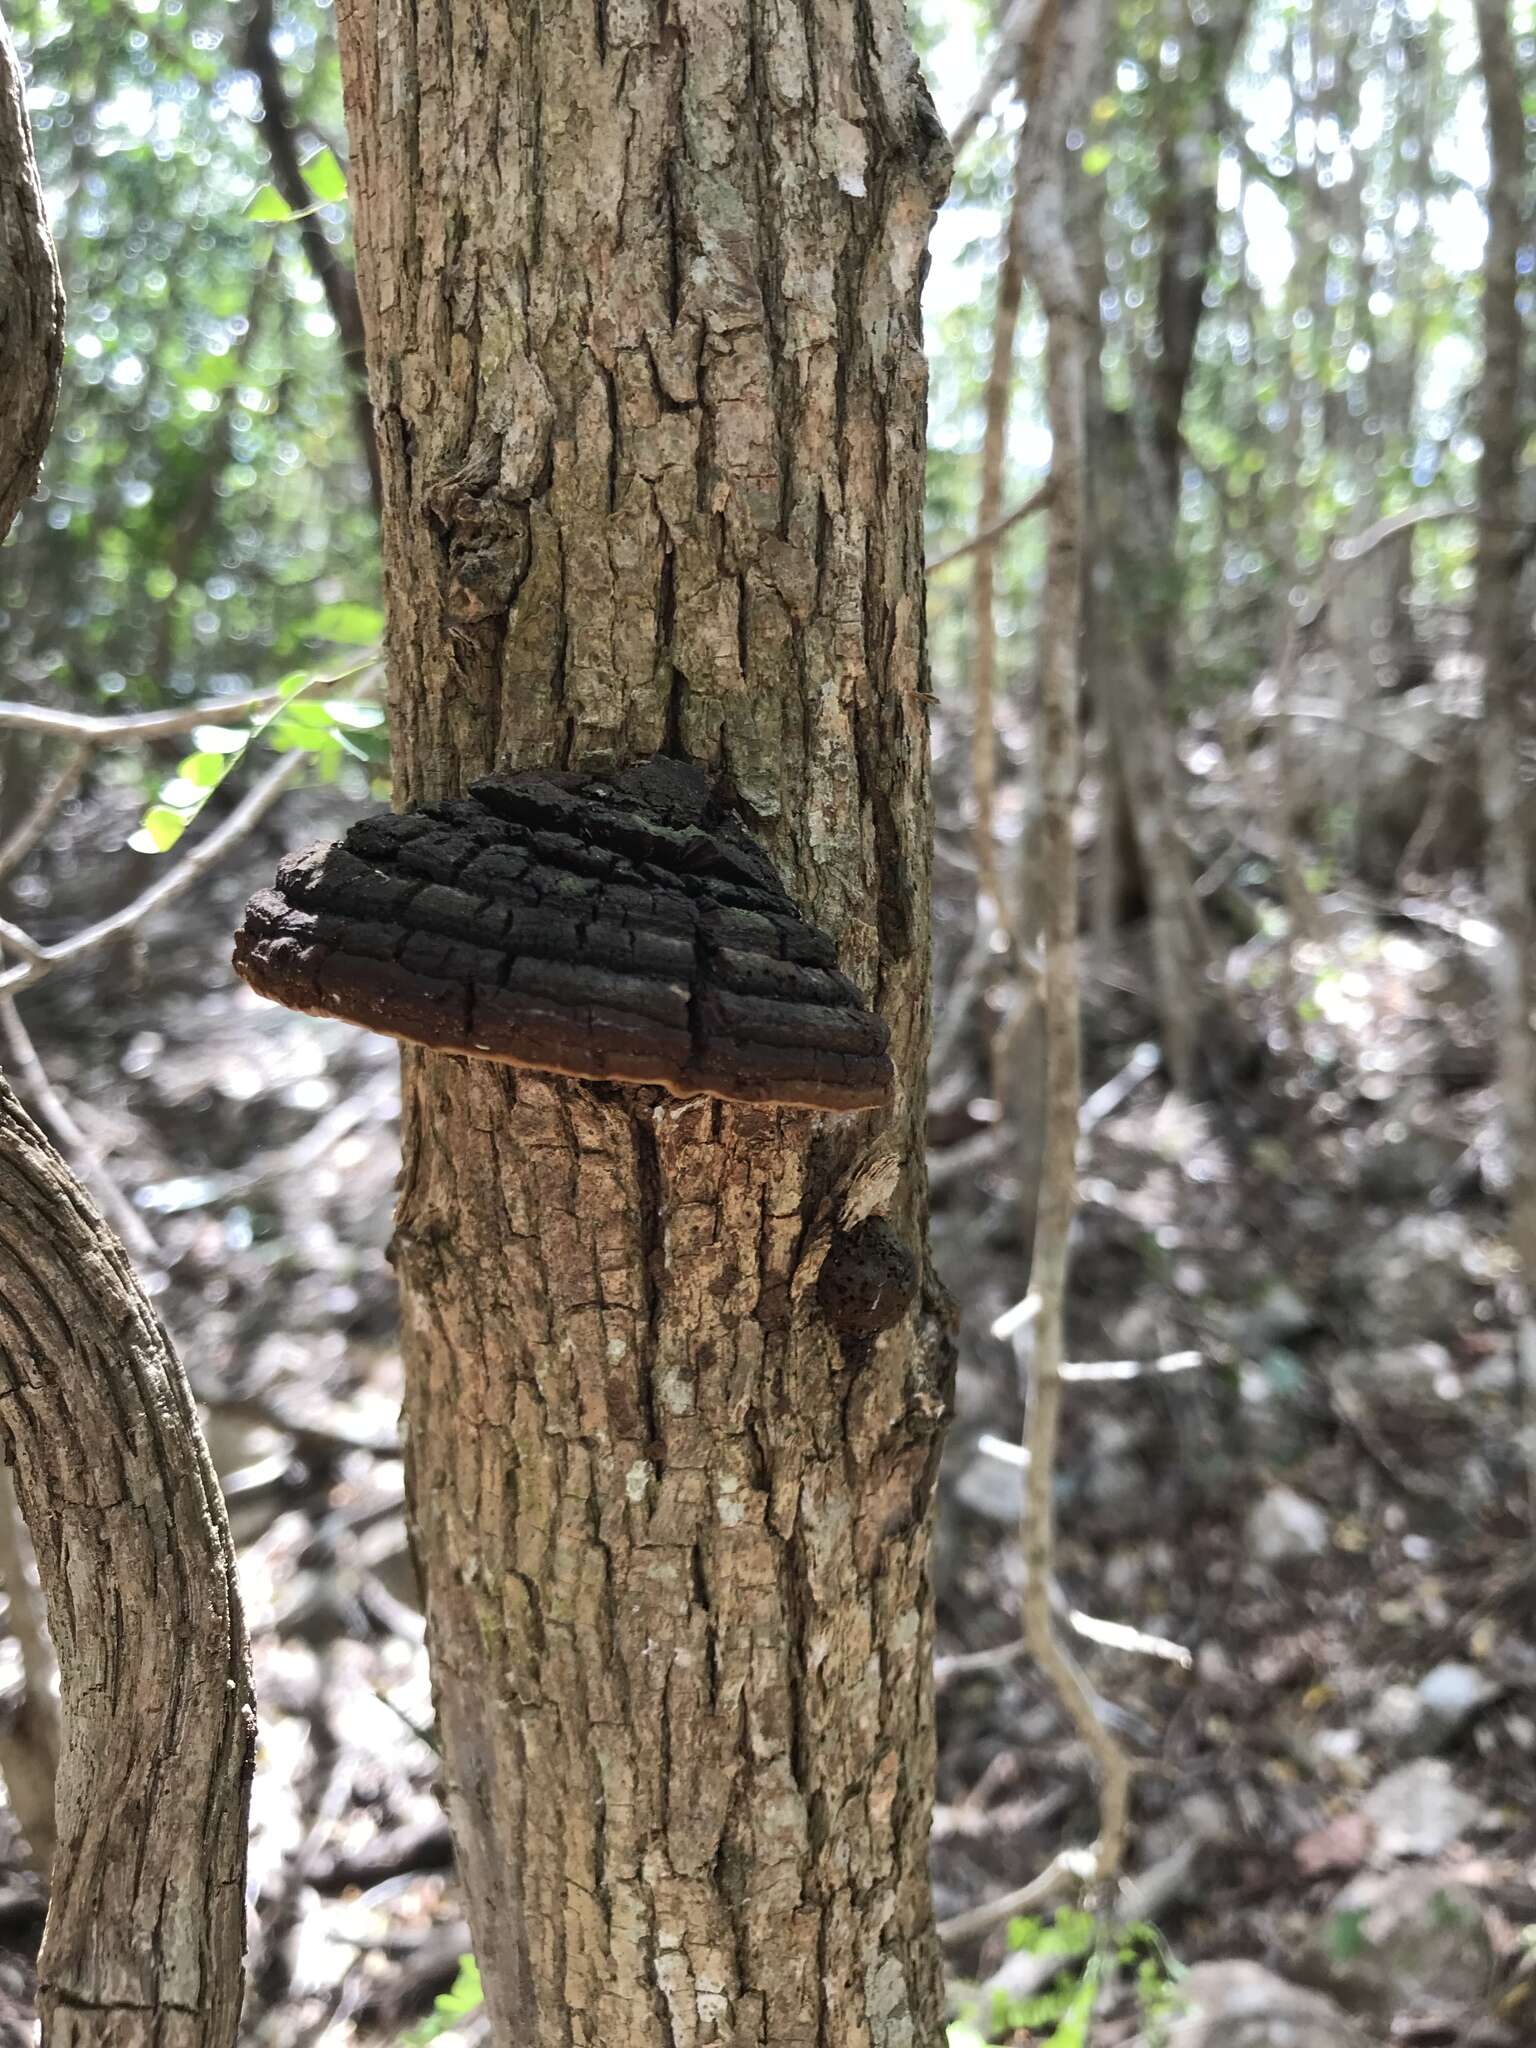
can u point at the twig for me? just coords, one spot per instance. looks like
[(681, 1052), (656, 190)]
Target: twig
[(1104, 1101), (44, 959), (90, 730), (48, 802), (1110, 1635), (1018, 26), (1070, 1867), (1053, 269), (1035, 502), (1014, 1320), (991, 912), (1132, 1368), (82, 1154), (13, 936)]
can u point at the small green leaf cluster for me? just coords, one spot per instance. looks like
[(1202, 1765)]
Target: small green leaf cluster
[(325, 178), (465, 1998), (329, 729), (1093, 1955)]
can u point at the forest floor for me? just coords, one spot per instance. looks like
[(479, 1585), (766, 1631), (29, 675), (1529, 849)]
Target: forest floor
[(1325, 1523)]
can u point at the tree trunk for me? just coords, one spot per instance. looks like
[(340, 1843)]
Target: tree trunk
[(1509, 725), (146, 1923), (641, 287), (1136, 595), (32, 323)]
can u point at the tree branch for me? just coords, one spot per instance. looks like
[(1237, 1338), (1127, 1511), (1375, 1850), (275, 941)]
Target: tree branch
[(1012, 40), (50, 799), (81, 1153), (87, 729), (44, 959), (1063, 69), (148, 1906), (1035, 502), (276, 122)]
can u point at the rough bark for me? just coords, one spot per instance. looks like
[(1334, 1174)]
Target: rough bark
[(641, 289), (1509, 725), (146, 1923), (31, 302)]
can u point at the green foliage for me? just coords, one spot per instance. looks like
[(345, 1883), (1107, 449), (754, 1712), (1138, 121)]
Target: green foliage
[(205, 502), (465, 1998), (329, 731), (1093, 1956), (1346, 1936)]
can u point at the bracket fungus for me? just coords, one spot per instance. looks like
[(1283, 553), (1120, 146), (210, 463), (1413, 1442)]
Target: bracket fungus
[(611, 927)]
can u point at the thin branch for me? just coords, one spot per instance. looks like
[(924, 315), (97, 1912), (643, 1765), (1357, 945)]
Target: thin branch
[(81, 1153), (335, 278), (91, 731), (1377, 536), (991, 911), (1012, 39), (1111, 1635), (1035, 502), (1071, 1867), (181, 877), (13, 936), (1132, 1368), (47, 804), (1053, 270)]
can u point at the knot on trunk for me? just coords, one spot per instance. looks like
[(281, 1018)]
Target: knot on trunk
[(868, 1279)]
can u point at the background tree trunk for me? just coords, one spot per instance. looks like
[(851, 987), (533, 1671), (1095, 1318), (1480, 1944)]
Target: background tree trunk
[(641, 288), (1509, 723)]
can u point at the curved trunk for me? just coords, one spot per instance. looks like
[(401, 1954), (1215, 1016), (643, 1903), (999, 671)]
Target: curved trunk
[(146, 1922), (641, 288)]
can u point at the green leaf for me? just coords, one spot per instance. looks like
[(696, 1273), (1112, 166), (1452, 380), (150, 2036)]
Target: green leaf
[(159, 831), (289, 735), (349, 624), (220, 739), (182, 795), (325, 177), (465, 1998), (1346, 1936), (1096, 161), (1073, 2030), (1024, 1932), (269, 204), (314, 716), (357, 717), (204, 770)]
